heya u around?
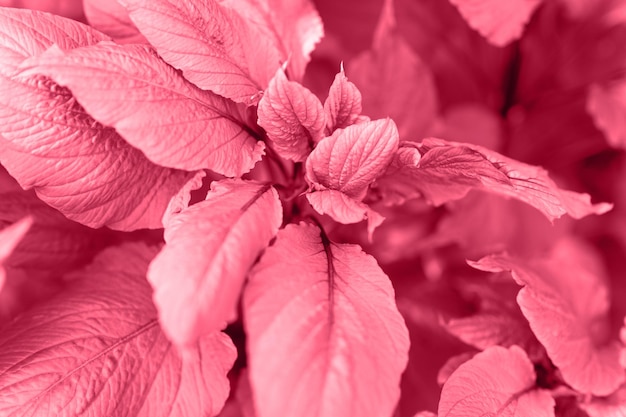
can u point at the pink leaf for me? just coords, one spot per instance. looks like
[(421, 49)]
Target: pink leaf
[(443, 171), (566, 301), (331, 310), (607, 105), (394, 81), (343, 105), (209, 249), (214, 47), (292, 116), (68, 8), (483, 386), (159, 112), (97, 349), (612, 406), (499, 21), (9, 238), (111, 18)]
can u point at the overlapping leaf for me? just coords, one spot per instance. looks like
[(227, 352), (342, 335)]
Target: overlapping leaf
[(566, 301), (482, 386), (343, 105), (442, 171), (331, 310), (171, 121), (111, 18), (292, 116), (97, 349), (210, 246)]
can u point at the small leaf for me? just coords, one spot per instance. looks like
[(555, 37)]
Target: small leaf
[(331, 309), (171, 121), (566, 301), (607, 105), (482, 386), (443, 171), (210, 246), (97, 349), (499, 21), (9, 238), (343, 105), (292, 116)]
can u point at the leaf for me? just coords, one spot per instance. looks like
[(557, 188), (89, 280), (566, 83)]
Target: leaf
[(499, 21), (394, 81), (49, 143), (171, 121), (566, 301), (9, 238), (292, 116), (213, 46), (607, 105), (68, 8), (97, 349), (343, 105), (483, 386), (443, 171), (611, 406), (331, 310), (112, 18), (210, 246)]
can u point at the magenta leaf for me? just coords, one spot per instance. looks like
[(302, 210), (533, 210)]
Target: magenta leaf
[(607, 105), (209, 249), (482, 386), (566, 301), (112, 18), (499, 21), (443, 171), (97, 349), (9, 238), (171, 121), (331, 310), (292, 116), (394, 81), (343, 105), (213, 46)]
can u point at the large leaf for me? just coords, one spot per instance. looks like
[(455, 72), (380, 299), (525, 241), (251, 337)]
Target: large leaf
[(171, 121), (330, 309), (209, 249), (442, 171), (97, 350), (498, 382), (566, 301), (292, 116)]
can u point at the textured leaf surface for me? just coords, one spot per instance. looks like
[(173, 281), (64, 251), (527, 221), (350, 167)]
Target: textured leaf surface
[(566, 301), (607, 105), (331, 309), (499, 21), (213, 46), (97, 349), (292, 116), (49, 143), (209, 249), (9, 238), (172, 122), (343, 105), (482, 386), (111, 18), (443, 171)]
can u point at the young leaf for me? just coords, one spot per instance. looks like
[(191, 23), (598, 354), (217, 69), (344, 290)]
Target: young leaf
[(607, 105), (213, 46), (443, 171), (97, 349), (9, 238), (331, 310), (394, 81), (483, 386), (292, 116), (566, 302), (172, 122), (210, 246), (343, 105), (111, 18), (499, 21)]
